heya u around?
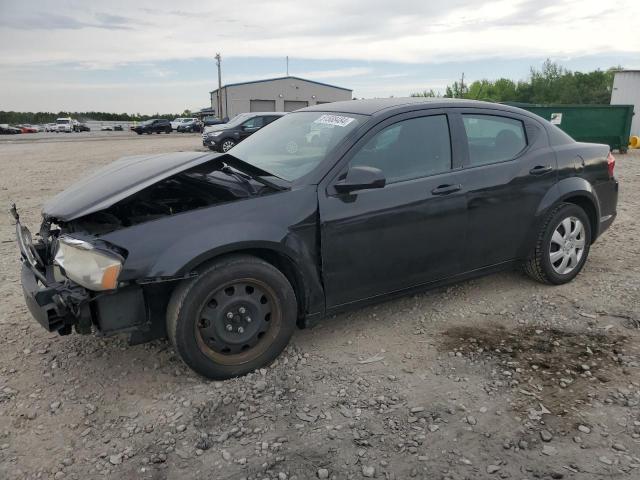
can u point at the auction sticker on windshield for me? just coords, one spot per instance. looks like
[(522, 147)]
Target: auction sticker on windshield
[(337, 120)]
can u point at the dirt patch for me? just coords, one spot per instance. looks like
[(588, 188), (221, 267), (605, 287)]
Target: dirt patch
[(555, 366)]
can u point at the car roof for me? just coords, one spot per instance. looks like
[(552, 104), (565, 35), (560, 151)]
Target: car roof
[(379, 105), (255, 114)]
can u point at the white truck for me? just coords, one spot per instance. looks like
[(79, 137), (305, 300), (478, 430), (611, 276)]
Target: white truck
[(66, 124)]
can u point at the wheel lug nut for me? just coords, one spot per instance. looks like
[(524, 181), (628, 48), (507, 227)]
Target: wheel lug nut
[(229, 327), (229, 315), (240, 330), (242, 310)]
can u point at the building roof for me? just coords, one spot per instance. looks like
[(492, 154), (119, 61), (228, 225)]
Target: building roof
[(282, 78)]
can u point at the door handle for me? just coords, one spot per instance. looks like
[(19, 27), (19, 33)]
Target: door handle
[(446, 189), (540, 169)]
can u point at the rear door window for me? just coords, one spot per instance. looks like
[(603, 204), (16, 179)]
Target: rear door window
[(493, 138)]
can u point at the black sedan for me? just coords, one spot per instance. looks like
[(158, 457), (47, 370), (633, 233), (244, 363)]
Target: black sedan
[(329, 208)]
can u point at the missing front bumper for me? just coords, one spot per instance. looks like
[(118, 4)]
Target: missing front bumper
[(55, 307)]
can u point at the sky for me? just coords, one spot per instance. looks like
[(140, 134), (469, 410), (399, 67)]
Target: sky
[(158, 56)]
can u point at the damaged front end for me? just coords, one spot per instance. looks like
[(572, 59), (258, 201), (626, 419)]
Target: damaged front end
[(74, 279), (57, 303), (70, 283)]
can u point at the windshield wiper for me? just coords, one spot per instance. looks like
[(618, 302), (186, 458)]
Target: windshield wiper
[(242, 177), (250, 171)]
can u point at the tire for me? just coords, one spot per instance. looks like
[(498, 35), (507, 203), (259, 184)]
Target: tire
[(227, 144), (258, 297), (557, 257)]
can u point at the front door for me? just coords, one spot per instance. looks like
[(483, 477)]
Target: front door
[(408, 233)]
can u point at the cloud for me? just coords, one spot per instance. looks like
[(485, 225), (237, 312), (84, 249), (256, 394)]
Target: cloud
[(404, 31), (377, 47)]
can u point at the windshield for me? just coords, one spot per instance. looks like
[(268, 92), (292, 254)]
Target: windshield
[(295, 144), (62, 121)]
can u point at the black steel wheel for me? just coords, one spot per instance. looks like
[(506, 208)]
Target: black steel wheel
[(236, 316)]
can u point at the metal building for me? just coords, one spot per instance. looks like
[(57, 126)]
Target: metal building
[(626, 91), (283, 94)]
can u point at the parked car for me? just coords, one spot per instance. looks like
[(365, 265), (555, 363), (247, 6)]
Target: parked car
[(190, 126), (226, 254), (225, 136), (51, 127), (118, 128), (6, 129), (26, 128), (65, 124), (82, 127), (176, 123), (106, 128), (153, 126)]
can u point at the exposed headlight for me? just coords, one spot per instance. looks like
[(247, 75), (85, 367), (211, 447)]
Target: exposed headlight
[(214, 134), (87, 266)]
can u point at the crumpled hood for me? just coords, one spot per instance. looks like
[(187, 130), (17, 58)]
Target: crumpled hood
[(117, 181)]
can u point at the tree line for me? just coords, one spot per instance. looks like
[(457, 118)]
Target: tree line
[(15, 118), (551, 84)]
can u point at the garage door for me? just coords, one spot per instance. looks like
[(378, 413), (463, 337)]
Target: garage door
[(262, 105), (291, 105)]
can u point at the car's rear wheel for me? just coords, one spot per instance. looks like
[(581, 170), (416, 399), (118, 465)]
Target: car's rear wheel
[(236, 316), (227, 145), (562, 246)]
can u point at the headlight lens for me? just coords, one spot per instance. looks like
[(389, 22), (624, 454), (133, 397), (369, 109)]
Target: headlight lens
[(215, 134), (84, 264)]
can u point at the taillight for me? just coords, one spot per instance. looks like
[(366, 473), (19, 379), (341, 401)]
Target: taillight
[(611, 164)]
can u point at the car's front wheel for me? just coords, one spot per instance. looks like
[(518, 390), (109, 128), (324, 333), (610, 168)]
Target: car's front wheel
[(227, 144), (562, 246), (236, 316)]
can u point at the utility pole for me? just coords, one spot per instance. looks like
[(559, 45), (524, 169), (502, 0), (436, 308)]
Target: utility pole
[(462, 86), (219, 106)]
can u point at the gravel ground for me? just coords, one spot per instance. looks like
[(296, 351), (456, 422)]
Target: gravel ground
[(498, 377)]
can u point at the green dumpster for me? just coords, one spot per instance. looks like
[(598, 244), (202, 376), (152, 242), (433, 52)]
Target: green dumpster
[(609, 124)]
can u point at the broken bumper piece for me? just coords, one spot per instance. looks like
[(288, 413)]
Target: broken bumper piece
[(57, 307)]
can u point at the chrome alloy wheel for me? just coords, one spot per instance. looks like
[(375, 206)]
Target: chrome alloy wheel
[(567, 245), (228, 145)]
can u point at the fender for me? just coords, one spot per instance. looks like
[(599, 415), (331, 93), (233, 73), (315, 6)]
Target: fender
[(570, 187), (567, 188), (285, 225)]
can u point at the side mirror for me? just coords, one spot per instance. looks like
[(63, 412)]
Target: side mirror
[(361, 178)]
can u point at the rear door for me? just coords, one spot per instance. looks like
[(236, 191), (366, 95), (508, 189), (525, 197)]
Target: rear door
[(508, 169), (408, 233)]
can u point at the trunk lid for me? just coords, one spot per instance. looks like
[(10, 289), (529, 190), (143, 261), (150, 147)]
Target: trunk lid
[(117, 181)]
